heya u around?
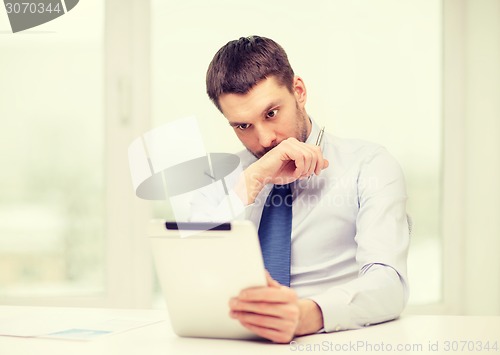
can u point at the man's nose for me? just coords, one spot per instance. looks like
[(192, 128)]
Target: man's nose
[(267, 137)]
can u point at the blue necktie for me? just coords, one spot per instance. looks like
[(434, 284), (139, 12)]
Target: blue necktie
[(275, 232)]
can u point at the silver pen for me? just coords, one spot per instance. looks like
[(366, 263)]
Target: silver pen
[(318, 143), (320, 136)]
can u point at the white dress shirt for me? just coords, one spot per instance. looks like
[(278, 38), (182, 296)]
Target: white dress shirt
[(350, 232)]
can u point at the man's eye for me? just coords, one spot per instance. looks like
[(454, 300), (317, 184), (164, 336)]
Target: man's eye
[(243, 126), (272, 113)]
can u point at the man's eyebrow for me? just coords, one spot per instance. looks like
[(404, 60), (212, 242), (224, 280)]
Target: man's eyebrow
[(264, 112)]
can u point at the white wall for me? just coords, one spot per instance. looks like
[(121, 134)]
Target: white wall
[(471, 212), (372, 67)]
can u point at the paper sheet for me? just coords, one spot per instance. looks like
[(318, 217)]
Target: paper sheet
[(69, 326)]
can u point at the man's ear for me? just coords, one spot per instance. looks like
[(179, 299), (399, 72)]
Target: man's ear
[(299, 90)]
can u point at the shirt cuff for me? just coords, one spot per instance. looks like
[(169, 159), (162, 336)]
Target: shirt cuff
[(335, 309)]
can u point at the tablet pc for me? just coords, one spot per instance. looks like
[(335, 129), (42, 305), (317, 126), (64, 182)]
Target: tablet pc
[(198, 274)]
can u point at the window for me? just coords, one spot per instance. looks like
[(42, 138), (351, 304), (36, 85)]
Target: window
[(52, 194)]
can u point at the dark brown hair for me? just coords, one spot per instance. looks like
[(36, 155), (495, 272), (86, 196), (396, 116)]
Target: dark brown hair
[(241, 64)]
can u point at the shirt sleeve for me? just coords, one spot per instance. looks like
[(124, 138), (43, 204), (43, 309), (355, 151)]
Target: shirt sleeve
[(380, 292)]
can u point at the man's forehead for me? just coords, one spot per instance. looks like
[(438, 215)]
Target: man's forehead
[(260, 98)]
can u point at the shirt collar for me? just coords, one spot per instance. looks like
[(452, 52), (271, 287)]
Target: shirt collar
[(313, 136)]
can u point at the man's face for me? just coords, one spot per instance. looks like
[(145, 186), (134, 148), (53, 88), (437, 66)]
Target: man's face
[(268, 114)]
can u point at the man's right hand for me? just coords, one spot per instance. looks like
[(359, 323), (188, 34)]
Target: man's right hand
[(288, 161)]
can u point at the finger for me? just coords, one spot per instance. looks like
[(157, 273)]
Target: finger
[(301, 154), (316, 159), (310, 162), (297, 157), (319, 162), (270, 281), (307, 156), (271, 334), (278, 310), (308, 159), (303, 159), (265, 321), (281, 294), (263, 308)]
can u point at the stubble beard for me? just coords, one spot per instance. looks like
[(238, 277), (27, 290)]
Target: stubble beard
[(300, 132)]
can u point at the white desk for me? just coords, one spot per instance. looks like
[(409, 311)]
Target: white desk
[(417, 333)]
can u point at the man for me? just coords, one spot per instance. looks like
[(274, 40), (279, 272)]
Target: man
[(349, 235)]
